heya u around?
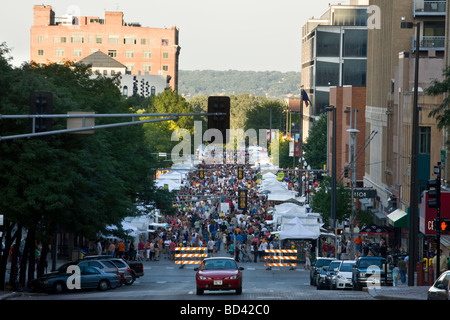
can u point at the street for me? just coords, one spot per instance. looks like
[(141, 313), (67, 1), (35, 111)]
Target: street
[(163, 280)]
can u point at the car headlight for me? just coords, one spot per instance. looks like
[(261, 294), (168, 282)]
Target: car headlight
[(232, 277), (202, 277)]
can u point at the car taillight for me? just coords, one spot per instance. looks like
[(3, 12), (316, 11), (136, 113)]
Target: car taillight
[(128, 270)]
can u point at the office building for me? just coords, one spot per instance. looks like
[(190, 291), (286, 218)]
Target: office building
[(144, 50)]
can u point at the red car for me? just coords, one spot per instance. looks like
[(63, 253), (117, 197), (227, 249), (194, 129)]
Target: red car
[(219, 274)]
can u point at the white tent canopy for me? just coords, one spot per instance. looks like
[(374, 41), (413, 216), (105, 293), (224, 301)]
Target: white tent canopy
[(296, 230)]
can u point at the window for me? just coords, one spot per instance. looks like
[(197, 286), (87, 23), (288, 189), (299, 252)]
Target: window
[(144, 41), (355, 43), (113, 39), (130, 67), (147, 67), (354, 72), (147, 54), (129, 54), (63, 39), (40, 39), (425, 140), (112, 53), (59, 52), (91, 38), (99, 39), (165, 55), (77, 53), (55, 39), (165, 68), (40, 52), (328, 44), (129, 40), (351, 17), (77, 38), (327, 74)]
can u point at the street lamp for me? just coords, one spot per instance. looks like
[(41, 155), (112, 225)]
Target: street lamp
[(333, 168), (414, 191)]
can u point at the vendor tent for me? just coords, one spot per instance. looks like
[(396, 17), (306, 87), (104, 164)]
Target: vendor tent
[(296, 230)]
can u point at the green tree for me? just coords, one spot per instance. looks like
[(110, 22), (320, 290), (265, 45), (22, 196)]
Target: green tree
[(81, 182), (442, 112), (315, 150), (321, 201)]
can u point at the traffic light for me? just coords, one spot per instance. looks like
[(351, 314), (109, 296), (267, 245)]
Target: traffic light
[(443, 225), (434, 193), (201, 173), (219, 104), (242, 199), (339, 231), (41, 103), (240, 173), (346, 171)]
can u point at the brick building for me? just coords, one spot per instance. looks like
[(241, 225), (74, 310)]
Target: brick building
[(143, 50)]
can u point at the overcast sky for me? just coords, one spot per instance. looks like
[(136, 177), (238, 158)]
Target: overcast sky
[(245, 35)]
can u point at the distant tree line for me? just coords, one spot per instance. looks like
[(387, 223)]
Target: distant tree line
[(271, 84)]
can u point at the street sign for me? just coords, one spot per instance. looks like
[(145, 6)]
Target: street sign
[(362, 193)]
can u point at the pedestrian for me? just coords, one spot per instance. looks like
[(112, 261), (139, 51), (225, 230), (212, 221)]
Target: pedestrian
[(210, 247), (402, 269), (111, 249), (307, 260), (120, 249), (147, 250), (395, 275), (98, 247)]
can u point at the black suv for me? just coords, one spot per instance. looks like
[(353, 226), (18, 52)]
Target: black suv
[(316, 268)]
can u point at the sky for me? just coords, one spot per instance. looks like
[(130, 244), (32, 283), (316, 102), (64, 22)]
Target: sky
[(244, 35)]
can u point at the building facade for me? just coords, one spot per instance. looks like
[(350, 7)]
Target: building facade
[(334, 53), (143, 50), (390, 84)]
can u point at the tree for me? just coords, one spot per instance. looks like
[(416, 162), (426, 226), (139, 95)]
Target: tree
[(321, 201), (81, 182), (315, 151), (442, 112)]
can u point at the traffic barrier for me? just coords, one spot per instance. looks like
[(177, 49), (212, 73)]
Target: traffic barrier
[(280, 257), (189, 255)]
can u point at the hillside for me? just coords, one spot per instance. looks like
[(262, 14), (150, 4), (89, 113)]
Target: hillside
[(272, 84)]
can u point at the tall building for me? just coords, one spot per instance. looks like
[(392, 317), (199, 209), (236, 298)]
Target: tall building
[(390, 83), (143, 50), (334, 53)]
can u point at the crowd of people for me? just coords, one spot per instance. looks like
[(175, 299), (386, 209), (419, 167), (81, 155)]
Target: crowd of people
[(209, 214)]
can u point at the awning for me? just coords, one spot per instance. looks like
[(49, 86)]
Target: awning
[(398, 219)]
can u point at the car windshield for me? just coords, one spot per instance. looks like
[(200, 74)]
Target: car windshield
[(219, 264), (334, 265), (443, 280), (346, 267), (323, 262), (372, 262)]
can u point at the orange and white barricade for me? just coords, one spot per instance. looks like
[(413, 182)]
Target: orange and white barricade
[(279, 254), (189, 253)]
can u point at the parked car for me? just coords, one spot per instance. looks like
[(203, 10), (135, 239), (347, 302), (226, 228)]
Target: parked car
[(343, 277), (136, 267), (124, 269), (218, 274), (317, 267), (371, 271), (90, 278), (440, 289), (320, 282), (325, 279)]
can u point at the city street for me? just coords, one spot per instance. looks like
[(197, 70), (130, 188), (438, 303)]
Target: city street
[(163, 280)]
